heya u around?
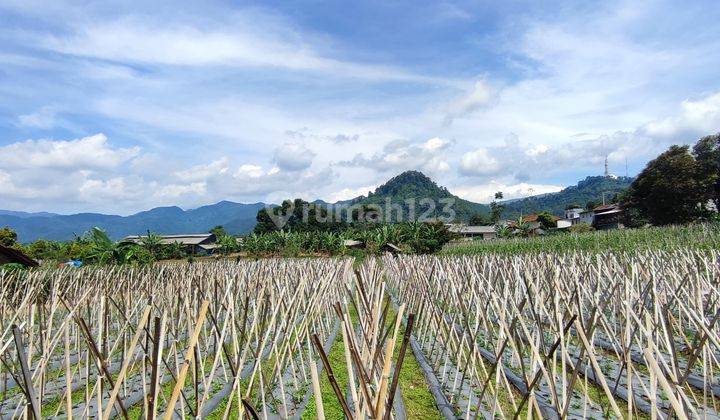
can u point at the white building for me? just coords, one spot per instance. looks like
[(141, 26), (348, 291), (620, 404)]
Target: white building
[(576, 216), (573, 213)]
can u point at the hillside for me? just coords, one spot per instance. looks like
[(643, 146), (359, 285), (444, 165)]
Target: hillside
[(414, 186), (589, 189), (237, 219)]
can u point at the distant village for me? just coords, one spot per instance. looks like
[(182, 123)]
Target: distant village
[(603, 217)]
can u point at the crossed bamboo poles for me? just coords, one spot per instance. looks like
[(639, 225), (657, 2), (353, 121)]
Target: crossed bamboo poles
[(535, 329), (556, 335), (369, 348), (164, 345)]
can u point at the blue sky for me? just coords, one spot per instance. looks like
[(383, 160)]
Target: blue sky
[(122, 106)]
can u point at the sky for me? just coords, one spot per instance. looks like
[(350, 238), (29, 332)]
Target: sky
[(119, 107)]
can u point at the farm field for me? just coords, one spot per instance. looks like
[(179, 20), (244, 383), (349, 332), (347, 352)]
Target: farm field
[(495, 335), (697, 236)]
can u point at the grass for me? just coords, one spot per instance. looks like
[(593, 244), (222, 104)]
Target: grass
[(331, 405), (419, 402), (699, 236)]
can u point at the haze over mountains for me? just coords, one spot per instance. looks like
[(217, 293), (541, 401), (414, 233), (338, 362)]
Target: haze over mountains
[(239, 218)]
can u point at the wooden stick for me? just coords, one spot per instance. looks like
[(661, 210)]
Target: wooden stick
[(26, 376), (189, 355), (398, 365), (126, 362), (331, 376)]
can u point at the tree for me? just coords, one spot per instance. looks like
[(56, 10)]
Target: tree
[(479, 219), (104, 251), (546, 220), (671, 189), (102, 248), (227, 244), (152, 243), (296, 216), (218, 231), (707, 155), (591, 204), (8, 237), (522, 228), (496, 208)]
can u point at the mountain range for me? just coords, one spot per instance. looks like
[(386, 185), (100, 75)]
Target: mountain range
[(590, 189), (239, 218)]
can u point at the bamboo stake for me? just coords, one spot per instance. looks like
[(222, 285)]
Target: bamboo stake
[(121, 376), (189, 355)]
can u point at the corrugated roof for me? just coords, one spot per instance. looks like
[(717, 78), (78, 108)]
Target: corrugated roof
[(605, 207), (534, 218), (189, 239), (611, 211), (471, 229)]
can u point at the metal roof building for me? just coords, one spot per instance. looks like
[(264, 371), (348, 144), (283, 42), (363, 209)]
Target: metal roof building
[(194, 243), (486, 232)]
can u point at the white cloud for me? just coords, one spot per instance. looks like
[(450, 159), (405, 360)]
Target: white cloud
[(44, 118), (402, 155), (249, 171), (276, 184), (479, 163), (174, 191), (110, 189), (202, 172), (486, 193), (524, 161), (348, 193), (344, 138), (695, 118), (8, 188), (91, 152), (480, 96), (436, 144), (293, 157), (253, 39)]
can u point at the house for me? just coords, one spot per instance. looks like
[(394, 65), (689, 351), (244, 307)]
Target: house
[(575, 216), (532, 220), (14, 256), (587, 217), (472, 232), (564, 223), (194, 243), (353, 244), (573, 212), (391, 248), (607, 216)]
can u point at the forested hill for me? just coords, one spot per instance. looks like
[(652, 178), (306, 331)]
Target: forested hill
[(588, 190), (415, 186)]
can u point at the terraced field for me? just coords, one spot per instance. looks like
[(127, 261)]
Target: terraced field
[(571, 335)]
